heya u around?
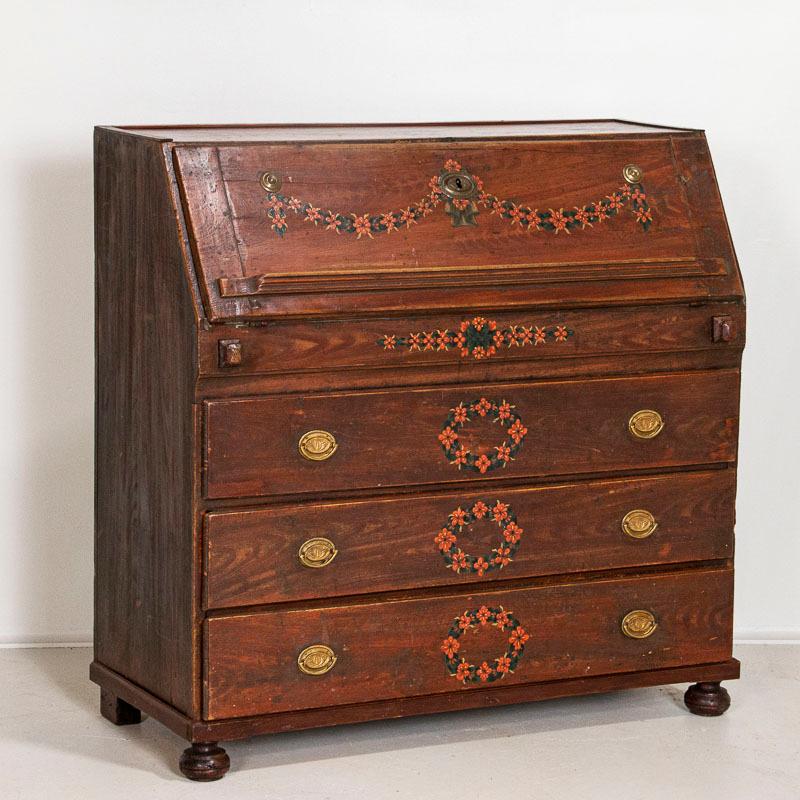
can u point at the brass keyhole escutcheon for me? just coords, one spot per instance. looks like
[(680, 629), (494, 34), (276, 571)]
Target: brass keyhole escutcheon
[(317, 552), (458, 185), (639, 524), (317, 659), (271, 182), (638, 624), (632, 173), (646, 424), (317, 445)]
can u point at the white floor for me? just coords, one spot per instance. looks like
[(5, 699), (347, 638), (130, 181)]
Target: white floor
[(621, 746)]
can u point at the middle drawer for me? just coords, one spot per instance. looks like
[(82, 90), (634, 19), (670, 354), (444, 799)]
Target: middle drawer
[(288, 553)]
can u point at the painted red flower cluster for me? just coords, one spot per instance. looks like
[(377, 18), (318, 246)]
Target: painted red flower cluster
[(502, 412), (478, 337), (463, 211), (456, 559), (485, 672)]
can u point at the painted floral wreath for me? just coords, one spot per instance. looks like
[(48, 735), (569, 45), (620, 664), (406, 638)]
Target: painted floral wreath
[(459, 561), (463, 211), (460, 668), (501, 412)]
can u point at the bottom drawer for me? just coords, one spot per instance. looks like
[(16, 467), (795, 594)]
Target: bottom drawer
[(462, 642)]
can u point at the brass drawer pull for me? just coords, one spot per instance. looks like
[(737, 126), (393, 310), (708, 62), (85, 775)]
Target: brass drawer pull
[(639, 524), (317, 552), (316, 659), (638, 624), (271, 182), (317, 445), (646, 424)]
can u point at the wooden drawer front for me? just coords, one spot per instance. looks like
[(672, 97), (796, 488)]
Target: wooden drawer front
[(394, 649), (470, 340), (255, 557), (393, 438)]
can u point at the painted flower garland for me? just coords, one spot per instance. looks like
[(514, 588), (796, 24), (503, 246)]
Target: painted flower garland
[(463, 210), (459, 561), (478, 337), (459, 668), (502, 412)]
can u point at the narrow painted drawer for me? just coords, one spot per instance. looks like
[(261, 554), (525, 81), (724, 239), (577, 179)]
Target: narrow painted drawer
[(290, 444), (299, 552), (278, 661)]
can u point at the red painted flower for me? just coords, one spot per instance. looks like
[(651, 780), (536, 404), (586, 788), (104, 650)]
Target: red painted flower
[(459, 414), (600, 211), (558, 220), (441, 339), (512, 533), (464, 621), (502, 556), (533, 220), (448, 437), (333, 222), (484, 671), (313, 215), (477, 323), (500, 511), (561, 333), (481, 565), (539, 336), (458, 517), (504, 410), (638, 196), (615, 201), (499, 338), (480, 509), (294, 204), (503, 453), (408, 215), (414, 341), (450, 646), (445, 540), (427, 340), (582, 216), (389, 222), (482, 463), (517, 431), (518, 638), (463, 671), (502, 619), (451, 165), (478, 352), (503, 665), (517, 214), (483, 615), (643, 215), (483, 406), (279, 224), (459, 561), (362, 225), (460, 457)]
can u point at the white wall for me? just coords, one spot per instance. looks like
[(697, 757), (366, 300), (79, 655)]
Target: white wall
[(729, 68)]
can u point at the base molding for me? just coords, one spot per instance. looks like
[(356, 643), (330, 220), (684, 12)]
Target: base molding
[(241, 728)]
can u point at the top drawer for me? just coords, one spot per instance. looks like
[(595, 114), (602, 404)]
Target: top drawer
[(340, 442), (323, 228)]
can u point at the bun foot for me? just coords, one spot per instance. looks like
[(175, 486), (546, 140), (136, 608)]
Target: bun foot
[(707, 699), (204, 761), (116, 710)]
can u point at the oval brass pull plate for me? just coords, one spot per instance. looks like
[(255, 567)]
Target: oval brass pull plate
[(316, 659), (638, 624), (458, 185), (639, 524), (317, 552), (646, 424), (317, 445)]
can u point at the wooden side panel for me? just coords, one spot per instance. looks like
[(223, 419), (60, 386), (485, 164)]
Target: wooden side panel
[(145, 369), (392, 438), (394, 649), (252, 556)]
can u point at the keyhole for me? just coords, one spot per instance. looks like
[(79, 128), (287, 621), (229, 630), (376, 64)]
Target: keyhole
[(458, 183)]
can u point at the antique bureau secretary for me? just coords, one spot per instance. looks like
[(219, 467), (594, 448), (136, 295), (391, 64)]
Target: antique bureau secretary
[(403, 419)]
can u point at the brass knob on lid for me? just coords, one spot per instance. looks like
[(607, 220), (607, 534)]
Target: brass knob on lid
[(317, 445), (632, 173), (638, 624), (317, 552), (639, 524), (646, 424), (316, 659), (271, 182)]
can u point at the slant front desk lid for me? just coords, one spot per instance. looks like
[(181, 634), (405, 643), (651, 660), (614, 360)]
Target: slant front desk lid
[(309, 221)]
